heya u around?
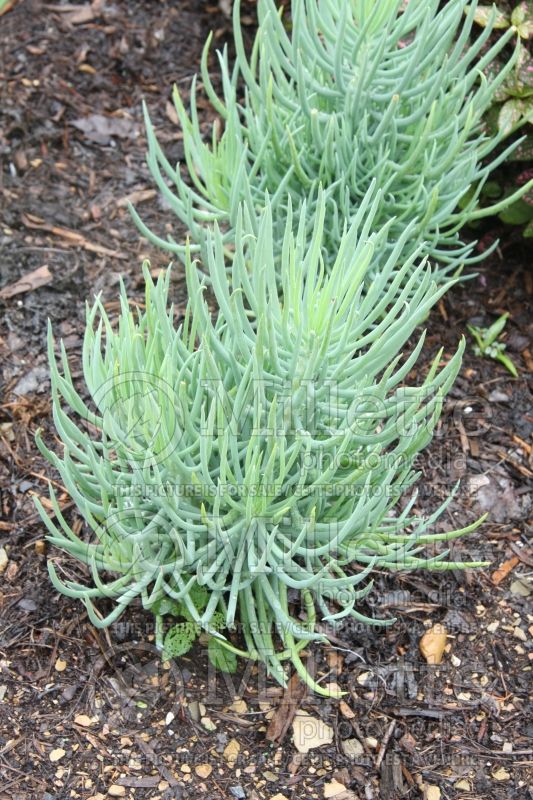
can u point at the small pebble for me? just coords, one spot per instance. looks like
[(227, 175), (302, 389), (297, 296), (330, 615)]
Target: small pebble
[(116, 791), (518, 633)]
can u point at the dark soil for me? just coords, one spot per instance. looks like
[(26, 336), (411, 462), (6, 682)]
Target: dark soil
[(86, 712)]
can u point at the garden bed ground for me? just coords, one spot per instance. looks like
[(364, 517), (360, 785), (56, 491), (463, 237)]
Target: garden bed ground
[(86, 712)]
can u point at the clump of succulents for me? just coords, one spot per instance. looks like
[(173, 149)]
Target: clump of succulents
[(359, 96), (248, 468)]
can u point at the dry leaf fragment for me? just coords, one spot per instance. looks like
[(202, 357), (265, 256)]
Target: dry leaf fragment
[(71, 238), (335, 660), (136, 197), (172, 114), (231, 752), (432, 793), (60, 665), (4, 560), (101, 129), (408, 743), (239, 707), (78, 14), (203, 770), (503, 570), (281, 719), (520, 587), (310, 732), (346, 711), (57, 754), (432, 644), (32, 280), (501, 774)]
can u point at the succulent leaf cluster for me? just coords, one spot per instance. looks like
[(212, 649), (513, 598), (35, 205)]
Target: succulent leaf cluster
[(247, 467), (357, 96)]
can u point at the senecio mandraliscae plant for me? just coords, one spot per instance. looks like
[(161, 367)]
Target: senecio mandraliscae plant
[(248, 470), (362, 94)]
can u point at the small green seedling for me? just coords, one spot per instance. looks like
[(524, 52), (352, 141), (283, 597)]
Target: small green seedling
[(180, 637), (487, 344)]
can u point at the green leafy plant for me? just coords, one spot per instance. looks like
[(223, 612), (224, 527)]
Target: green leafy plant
[(513, 99), (249, 468), (358, 98), (487, 344), (180, 637), (511, 113), (519, 212)]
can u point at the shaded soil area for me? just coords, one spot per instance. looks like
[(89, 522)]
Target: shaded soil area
[(94, 713)]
